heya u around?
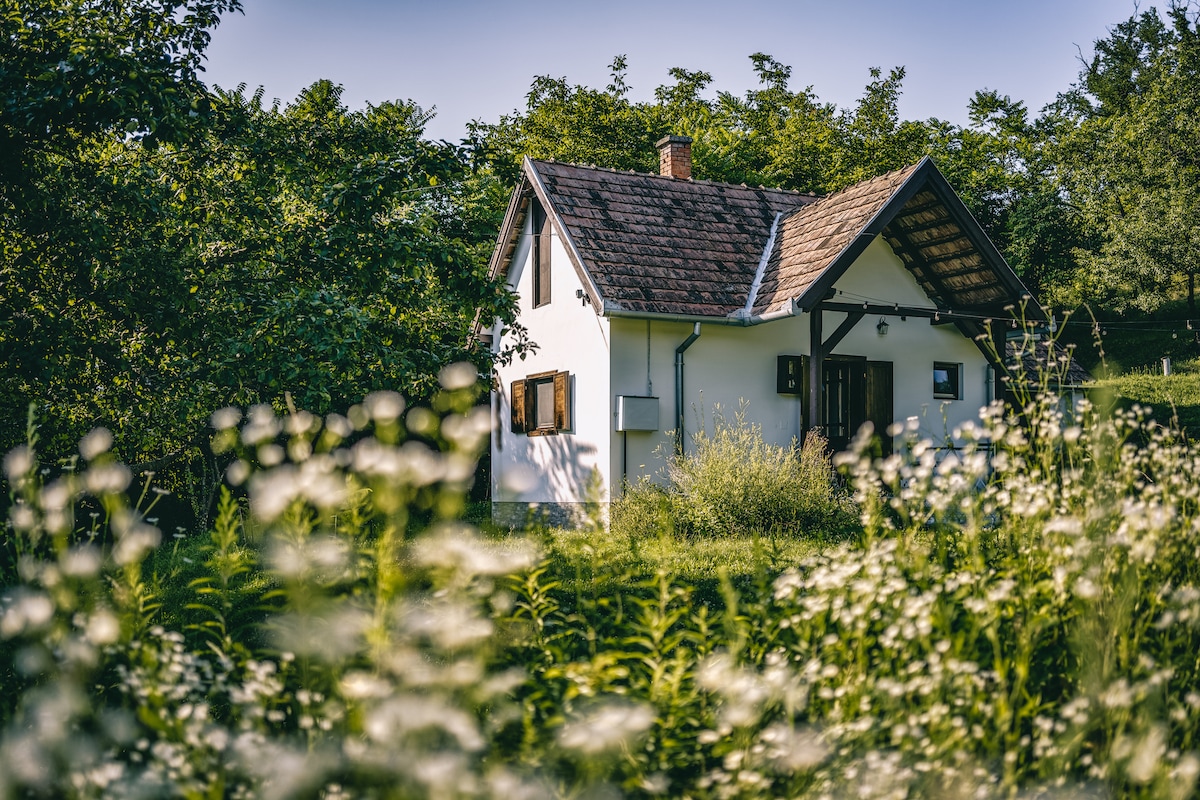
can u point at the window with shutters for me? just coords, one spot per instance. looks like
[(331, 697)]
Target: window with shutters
[(541, 256), (541, 403)]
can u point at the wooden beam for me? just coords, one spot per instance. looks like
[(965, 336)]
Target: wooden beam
[(909, 211), (816, 361), (852, 319), (939, 288), (941, 240), (883, 310), (943, 259), (928, 226), (1016, 289)]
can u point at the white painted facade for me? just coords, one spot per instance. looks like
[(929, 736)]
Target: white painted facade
[(727, 366), (731, 365), (570, 337)]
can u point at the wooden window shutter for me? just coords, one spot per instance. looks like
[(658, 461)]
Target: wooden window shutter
[(789, 374), (805, 424), (541, 256), (562, 401), (517, 406)]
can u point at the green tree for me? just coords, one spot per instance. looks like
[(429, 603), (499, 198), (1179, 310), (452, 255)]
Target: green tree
[(310, 251), (573, 123), (1001, 165), (1129, 157), (70, 68), (77, 82)]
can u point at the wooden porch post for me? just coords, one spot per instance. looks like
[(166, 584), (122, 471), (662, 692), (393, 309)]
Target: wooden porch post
[(997, 331), (816, 360)]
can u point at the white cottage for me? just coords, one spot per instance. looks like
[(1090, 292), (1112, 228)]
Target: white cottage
[(653, 298)]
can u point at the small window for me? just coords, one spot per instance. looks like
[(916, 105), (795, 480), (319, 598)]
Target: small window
[(791, 375), (541, 404), (541, 256), (947, 380)]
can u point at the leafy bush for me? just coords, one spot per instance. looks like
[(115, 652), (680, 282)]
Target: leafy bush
[(734, 482)]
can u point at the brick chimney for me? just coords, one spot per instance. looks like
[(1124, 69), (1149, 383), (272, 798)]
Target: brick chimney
[(675, 157)]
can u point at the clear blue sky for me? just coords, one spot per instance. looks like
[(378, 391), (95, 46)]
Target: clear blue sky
[(474, 59)]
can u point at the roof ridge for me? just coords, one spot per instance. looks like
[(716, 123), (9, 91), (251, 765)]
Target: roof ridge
[(693, 181)]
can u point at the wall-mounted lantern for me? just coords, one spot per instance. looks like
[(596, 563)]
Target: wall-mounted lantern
[(882, 326)]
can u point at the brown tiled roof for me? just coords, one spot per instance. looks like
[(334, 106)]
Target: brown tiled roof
[(647, 244), (661, 245), (1044, 360), (809, 239)]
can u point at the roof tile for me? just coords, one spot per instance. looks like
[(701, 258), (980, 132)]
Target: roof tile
[(698, 243)]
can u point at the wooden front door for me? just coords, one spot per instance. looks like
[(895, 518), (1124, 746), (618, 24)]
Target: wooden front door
[(879, 410), (854, 391)]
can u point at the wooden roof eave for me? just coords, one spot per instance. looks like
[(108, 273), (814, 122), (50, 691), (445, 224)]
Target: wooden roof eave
[(506, 243), (510, 230), (926, 175), (961, 215)]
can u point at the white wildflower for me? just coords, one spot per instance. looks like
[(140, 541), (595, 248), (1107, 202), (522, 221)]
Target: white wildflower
[(28, 611), (19, 462), (384, 406), (401, 716), (270, 454), (262, 425), (103, 627), (1086, 589), (301, 423), (226, 418), (612, 725), (134, 537), (460, 375), (793, 750), (359, 685), (1072, 526), (338, 425), (98, 441), (448, 624), (1146, 755), (237, 472), (458, 547), (108, 479), (81, 562)]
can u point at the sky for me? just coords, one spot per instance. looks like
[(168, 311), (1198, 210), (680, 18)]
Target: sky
[(473, 59)]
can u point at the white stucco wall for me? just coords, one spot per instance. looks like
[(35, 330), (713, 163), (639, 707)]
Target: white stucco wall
[(912, 345), (570, 337), (729, 365)]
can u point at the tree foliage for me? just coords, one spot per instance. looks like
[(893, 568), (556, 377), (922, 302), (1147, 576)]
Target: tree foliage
[(70, 69), (1128, 153), (166, 250), (309, 251)]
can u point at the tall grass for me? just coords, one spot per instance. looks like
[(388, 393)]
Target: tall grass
[(1020, 618)]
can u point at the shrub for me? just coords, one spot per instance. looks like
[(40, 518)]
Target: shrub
[(734, 483)]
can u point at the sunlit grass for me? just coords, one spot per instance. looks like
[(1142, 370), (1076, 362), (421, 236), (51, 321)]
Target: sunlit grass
[(1173, 399), (689, 558)]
